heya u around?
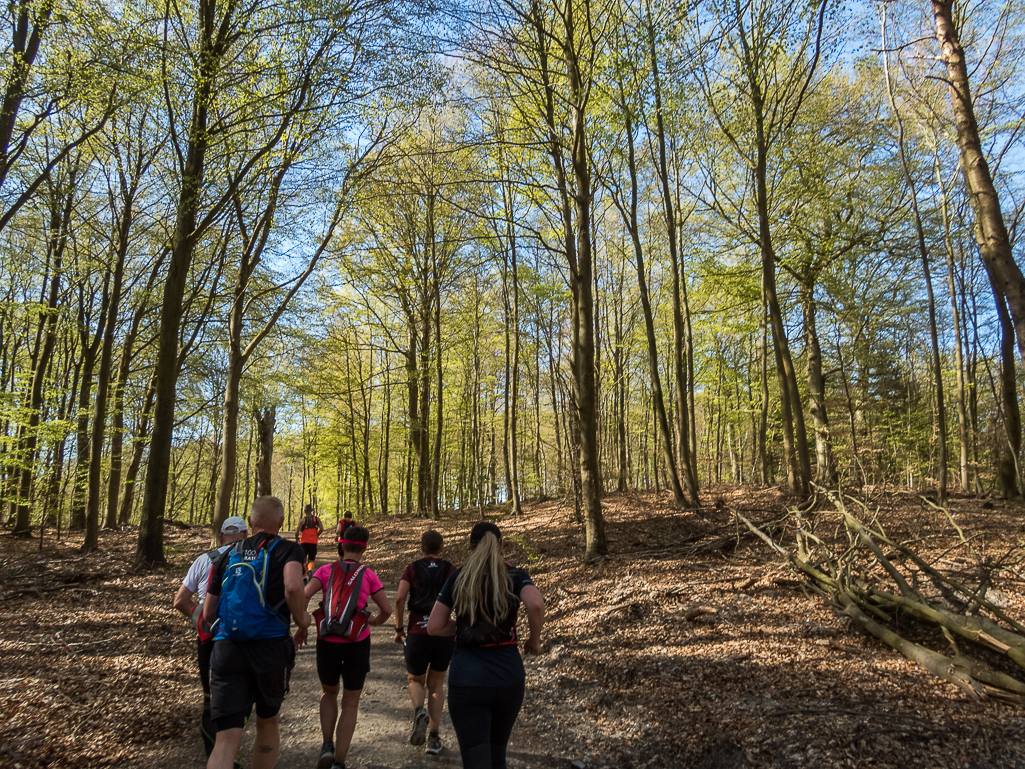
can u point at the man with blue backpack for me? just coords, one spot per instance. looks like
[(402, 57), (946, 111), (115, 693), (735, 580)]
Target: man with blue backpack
[(194, 587), (255, 591)]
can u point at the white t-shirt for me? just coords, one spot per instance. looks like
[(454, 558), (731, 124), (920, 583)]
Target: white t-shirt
[(199, 574)]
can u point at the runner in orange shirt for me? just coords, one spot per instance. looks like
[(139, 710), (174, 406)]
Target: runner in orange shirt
[(308, 535)]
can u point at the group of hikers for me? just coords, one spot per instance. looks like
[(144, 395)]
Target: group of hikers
[(243, 596)]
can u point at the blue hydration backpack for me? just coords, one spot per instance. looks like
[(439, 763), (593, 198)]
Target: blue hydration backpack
[(242, 608)]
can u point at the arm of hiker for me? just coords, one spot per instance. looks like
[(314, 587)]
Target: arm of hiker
[(210, 608), (183, 601), (295, 595), (312, 588), (532, 601), (400, 609), (384, 607), (440, 622), (320, 527)]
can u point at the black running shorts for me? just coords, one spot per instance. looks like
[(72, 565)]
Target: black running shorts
[(423, 651), (349, 661), (310, 548), (247, 673)]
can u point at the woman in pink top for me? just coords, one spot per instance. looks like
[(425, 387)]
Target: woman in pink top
[(341, 657)]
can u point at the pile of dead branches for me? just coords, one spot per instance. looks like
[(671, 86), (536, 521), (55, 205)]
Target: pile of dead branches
[(877, 582)]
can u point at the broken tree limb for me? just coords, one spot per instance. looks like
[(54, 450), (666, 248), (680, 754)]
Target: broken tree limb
[(846, 579)]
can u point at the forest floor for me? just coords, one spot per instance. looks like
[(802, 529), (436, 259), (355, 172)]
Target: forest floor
[(691, 645)]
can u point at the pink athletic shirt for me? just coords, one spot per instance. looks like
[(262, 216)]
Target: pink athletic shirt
[(371, 584)]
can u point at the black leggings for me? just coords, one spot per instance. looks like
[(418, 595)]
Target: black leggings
[(483, 717)]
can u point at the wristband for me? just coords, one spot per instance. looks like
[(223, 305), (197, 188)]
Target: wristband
[(399, 630)]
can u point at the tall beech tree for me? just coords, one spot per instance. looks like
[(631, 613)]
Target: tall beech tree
[(768, 52), (991, 231)]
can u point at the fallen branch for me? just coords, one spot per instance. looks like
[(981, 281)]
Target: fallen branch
[(844, 580)]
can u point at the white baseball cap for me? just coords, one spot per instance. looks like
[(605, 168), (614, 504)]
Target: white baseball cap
[(234, 525)]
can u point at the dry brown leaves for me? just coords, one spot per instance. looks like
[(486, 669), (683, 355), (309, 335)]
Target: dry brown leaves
[(691, 645)]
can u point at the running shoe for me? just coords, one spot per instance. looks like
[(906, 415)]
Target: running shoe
[(433, 744), (338, 765), (327, 755), (420, 722)]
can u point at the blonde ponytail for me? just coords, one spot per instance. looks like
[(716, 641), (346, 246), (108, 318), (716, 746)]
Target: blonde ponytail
[(484, 583)]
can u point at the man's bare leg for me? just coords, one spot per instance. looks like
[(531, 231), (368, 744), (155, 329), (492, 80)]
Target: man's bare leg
[(268, 740), (225, 748), (346, 722)]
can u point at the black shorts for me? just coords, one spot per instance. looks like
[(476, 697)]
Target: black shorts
[(348, 661), (310, 548), (249, 672), (422, 651)]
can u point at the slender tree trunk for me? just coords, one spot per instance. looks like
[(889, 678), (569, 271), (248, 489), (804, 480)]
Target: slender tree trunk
[(940, 422), (103, 381), (138, 449), (763, 379), (684, 434), (795, 442), (515, 385), (386, 452), (825, 470), (658, 399), (962, 414), (213, 45), (265, 421), (80, 488), (439, 411), (61, 206), (990, 230), (582, 290), (1009, 473)]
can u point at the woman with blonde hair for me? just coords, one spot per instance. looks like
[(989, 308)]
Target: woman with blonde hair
[(486, 677)]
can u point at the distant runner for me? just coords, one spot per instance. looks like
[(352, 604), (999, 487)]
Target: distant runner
[(307, 534), (194, 586), (427, 656), (344, 523)]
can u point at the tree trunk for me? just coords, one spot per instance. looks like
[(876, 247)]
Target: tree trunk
[(92, 530), (150, 548), (940, 421), (265, 421), (991, 233), (1009, 473), (825, 473), (80, 489), (962, 412), (795, 441), (60, 217), (658, 399), (138, 449), (582, 289), (763, 412), (681, 346)]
